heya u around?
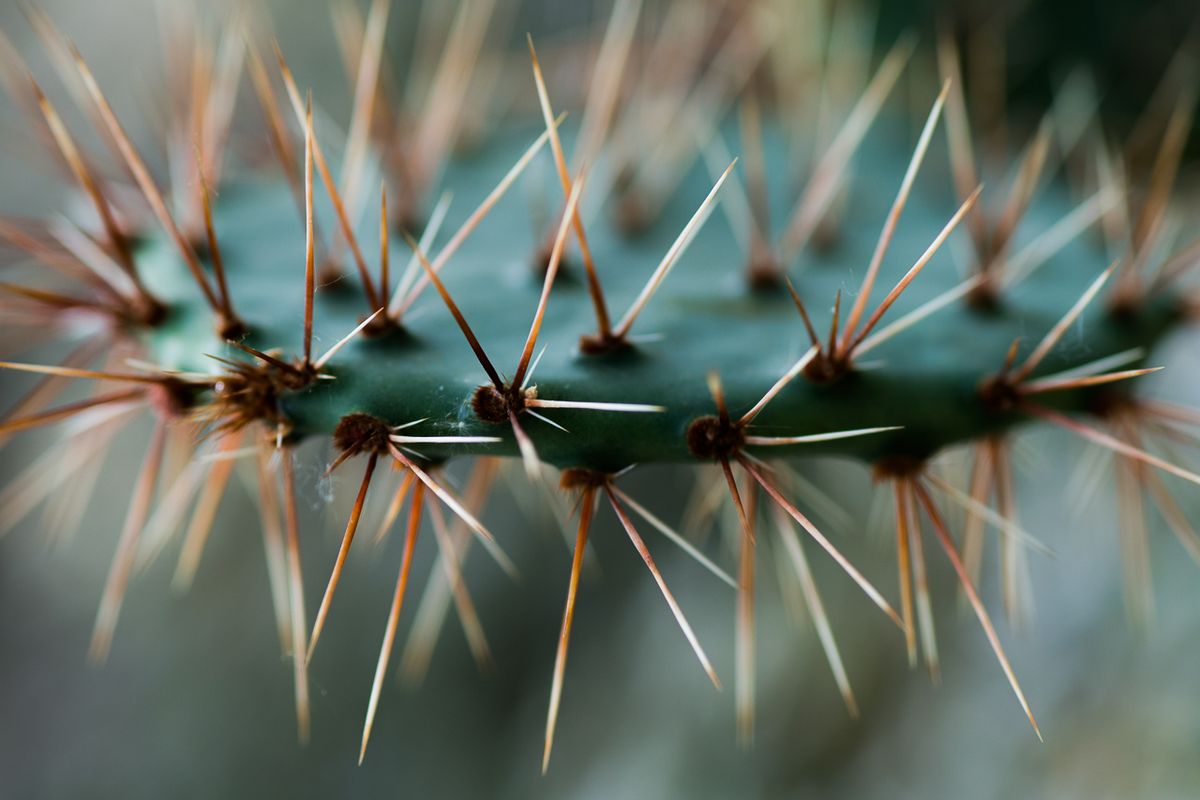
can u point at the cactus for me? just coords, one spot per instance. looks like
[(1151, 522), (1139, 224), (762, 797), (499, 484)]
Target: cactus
[(678, 308)]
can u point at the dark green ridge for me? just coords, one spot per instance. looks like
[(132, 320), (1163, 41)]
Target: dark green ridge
[(704, 317)]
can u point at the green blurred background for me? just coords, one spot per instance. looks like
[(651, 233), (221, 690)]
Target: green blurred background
[(196, 701)]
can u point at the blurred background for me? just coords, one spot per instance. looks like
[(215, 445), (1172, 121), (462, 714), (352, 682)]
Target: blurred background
[(196, 701)]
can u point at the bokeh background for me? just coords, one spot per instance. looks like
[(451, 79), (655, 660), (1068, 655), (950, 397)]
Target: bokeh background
[(196, 701)]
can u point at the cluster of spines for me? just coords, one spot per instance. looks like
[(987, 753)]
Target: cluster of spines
[(246, 394)]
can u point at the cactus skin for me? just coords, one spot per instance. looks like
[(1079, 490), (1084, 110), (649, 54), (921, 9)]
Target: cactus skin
[(927, 380), (718, 321)]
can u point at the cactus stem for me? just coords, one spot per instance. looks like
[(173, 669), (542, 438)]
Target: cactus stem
[(271, 389)]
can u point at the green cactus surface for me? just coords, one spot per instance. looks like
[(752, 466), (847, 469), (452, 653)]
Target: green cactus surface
[(926, 381), (598, 290)]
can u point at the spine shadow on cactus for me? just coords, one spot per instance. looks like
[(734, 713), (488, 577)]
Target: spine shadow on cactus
[(248, 317)]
